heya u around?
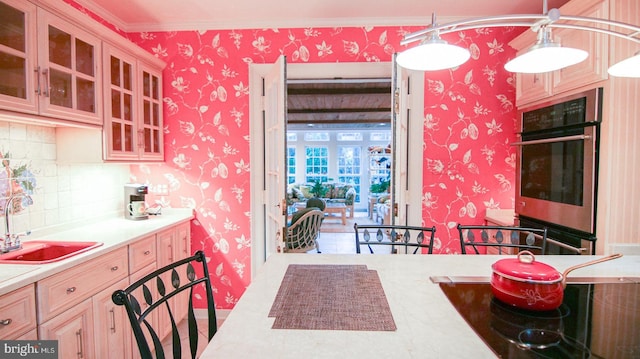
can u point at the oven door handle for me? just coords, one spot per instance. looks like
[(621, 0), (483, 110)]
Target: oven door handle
[(565, 246), (552, 140)]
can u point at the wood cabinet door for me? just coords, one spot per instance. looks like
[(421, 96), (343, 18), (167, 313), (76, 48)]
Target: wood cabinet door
[(112, 328), (594, 68), (18, 56), (73, 330), (69, 61)]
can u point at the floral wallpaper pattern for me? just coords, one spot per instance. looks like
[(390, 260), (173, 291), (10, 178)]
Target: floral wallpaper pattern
[(468, 125), (470, 121)]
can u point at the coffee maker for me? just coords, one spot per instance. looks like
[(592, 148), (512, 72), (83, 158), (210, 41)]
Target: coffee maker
[(134, 201)]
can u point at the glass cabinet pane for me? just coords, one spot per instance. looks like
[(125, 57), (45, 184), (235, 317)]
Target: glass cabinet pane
[(86, 95), (13, 76), (84, 58), (60, 89), (156, 115), (59, 47), (154, 88), (115, 71), (12, 27), (146, 84), (128, 102), (115, 104), (127, 76)]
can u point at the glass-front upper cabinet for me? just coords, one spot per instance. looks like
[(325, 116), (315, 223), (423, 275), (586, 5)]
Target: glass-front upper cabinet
[(133, 113), (69, 74), (18, 56), (48, 67)]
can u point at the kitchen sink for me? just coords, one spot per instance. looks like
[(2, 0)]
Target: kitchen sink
[(41, 252)]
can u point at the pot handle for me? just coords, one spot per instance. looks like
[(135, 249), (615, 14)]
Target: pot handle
[(577, 266)]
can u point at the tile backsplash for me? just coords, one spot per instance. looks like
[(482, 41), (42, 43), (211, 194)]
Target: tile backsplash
[(64, 193)]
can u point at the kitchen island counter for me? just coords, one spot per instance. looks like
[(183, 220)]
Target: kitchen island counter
[(113, 232), (428, 326)]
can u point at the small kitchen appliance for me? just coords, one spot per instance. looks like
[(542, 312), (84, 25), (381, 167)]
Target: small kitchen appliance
[(134, 201)]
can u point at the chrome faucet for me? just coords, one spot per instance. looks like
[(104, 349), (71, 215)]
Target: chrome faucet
[(12, 241)]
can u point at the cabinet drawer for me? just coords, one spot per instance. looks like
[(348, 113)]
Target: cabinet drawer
[(68, 288), (142, 253), (17, 312)]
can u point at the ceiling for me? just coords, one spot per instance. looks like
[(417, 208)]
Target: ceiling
[(319, 104), (341, 104), (169, 15)]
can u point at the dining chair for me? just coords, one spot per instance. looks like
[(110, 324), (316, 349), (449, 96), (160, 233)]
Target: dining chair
[(163, 293), (502, 239), (397, 238), (302, 234)]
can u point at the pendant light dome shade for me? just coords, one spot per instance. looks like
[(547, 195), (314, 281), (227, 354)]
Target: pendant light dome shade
[(546, 58), (433, 54), (626, 68)]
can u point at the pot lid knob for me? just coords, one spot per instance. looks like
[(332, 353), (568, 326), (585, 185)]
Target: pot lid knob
[(526, 257)]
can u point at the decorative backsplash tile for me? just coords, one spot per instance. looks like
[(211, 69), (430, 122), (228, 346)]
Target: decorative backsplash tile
[(63, 193)]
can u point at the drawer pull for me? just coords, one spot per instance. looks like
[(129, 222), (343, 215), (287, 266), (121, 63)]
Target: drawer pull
[(71, 290), (114, 268), (5, 321), (146, 253)]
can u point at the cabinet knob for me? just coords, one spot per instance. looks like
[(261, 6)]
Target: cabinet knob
[(71, 290), (5, 321), (114, 268)]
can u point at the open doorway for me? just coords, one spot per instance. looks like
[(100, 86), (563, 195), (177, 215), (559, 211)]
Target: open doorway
[(406, 134), (339, 137)]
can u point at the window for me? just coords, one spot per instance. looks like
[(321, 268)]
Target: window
[(380, 136), (317, 136), (317, 168), (349, 136), (292, 137), (291, 164), (350, 167)]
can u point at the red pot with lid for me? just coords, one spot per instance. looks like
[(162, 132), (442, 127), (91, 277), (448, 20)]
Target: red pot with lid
[(528, 284)]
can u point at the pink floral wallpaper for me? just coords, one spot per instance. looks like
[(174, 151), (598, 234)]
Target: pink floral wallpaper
[(469, 121)]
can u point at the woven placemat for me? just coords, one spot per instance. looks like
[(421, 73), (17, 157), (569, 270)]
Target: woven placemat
[(331, 297)]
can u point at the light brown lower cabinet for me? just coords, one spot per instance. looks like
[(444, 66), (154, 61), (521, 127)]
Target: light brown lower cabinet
[(75, 307), (73, 329)]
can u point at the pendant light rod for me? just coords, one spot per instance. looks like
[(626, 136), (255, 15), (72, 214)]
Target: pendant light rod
[(535, 21)]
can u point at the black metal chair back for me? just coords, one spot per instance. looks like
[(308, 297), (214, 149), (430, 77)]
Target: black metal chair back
[(506, 239), (151, 294), (399, 239)]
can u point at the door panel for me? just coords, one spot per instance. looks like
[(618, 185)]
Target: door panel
[(275, 112)]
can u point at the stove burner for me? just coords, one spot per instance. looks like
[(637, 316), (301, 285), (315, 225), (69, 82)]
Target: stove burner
[(550, 344)]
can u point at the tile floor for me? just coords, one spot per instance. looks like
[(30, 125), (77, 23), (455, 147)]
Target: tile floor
[(339, 243)]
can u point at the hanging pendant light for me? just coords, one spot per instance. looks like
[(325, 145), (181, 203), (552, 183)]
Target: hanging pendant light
[(545, 56), (627, 68), (433, 54)]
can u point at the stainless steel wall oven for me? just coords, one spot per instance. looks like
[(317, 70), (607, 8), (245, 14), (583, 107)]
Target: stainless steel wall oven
[(557, 170)]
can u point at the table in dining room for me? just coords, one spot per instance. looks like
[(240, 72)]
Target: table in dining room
[(428, 326)]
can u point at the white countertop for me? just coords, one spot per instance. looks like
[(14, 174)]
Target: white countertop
[(112, 232), (428, 325)]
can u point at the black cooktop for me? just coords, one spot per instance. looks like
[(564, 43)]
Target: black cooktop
[(595, 320)]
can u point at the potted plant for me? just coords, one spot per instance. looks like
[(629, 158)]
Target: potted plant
[(380, 187), (318, 189)]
